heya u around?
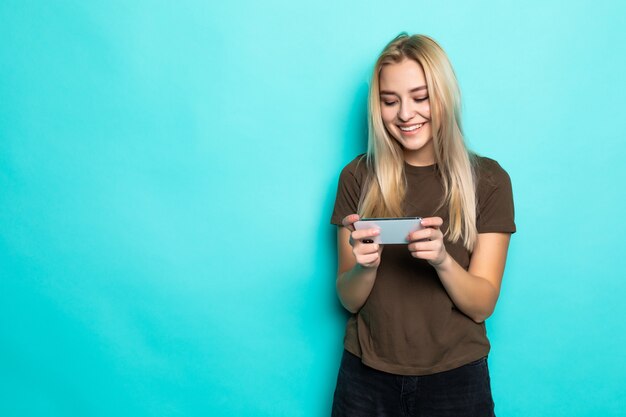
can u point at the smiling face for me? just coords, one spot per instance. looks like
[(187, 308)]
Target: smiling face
[(405, 110)]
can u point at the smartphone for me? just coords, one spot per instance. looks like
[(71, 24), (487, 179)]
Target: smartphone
[(393, 230)]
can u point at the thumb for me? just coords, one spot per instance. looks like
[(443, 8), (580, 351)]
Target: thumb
[(349, 221)]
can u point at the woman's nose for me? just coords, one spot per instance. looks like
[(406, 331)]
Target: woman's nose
[(405, 113)]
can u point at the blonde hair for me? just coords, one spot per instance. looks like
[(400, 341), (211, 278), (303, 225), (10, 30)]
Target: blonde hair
[(386, 186)]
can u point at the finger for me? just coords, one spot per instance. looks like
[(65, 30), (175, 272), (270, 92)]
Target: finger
[(425, 234), (349, 220), (368, 248), (369, 259), (427, 254), (365, 233), (424, 246), (432, 222)]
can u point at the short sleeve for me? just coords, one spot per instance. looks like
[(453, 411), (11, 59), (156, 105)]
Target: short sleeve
[(348, 191), (496, 212)]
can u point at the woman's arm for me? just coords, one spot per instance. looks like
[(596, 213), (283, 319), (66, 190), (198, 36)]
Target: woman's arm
[(476, 290), (357, 264)]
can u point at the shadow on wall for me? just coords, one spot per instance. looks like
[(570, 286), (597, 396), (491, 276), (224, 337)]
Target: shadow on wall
[(355, 133), (354, 142)]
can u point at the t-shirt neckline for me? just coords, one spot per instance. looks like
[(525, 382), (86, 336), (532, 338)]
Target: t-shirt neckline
[(419, 169)]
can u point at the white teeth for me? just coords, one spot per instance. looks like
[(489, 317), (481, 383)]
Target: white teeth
[(411, 128)]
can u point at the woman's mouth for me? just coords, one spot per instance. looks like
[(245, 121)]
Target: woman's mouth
[(411, 129)]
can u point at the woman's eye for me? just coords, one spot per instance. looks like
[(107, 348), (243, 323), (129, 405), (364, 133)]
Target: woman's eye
[(421, 99), (389, 103)]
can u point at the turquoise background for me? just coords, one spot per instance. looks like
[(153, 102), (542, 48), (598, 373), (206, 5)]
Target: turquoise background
[(167, 174)]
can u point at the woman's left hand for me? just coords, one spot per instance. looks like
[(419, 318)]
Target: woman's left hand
[(427, 243)]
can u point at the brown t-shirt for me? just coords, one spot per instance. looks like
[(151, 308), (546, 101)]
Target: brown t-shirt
[(409, 325)]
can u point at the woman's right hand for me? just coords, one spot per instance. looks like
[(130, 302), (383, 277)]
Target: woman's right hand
[(367, 254)]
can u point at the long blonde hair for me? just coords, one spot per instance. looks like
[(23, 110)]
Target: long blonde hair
[(386, 186)]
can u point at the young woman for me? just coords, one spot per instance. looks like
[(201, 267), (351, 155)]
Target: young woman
[(416, 342)]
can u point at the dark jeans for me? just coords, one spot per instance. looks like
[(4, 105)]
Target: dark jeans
[(363, 391)]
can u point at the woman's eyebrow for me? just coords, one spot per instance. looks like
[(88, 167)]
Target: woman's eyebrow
[(422, 87)]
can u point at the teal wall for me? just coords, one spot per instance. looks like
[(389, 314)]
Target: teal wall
[(167, 173)]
